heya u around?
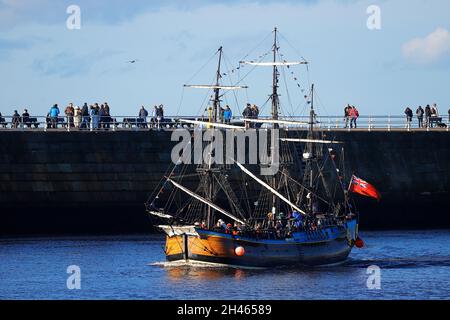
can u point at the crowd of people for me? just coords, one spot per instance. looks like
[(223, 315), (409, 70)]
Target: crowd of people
[(94, 116), (274, 227), (98, 117), (427, 118)]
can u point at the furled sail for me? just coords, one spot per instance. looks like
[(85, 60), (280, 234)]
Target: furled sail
[(276, 121), (212, 124), (279, 195), (274, 64), (161, 215), (215, 87), (212, 205), (311, 141)]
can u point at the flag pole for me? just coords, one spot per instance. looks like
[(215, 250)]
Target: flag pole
[(350, 184)]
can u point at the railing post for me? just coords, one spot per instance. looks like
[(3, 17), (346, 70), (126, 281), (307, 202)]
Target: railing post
[(389, 123), (329, 124), (370, 123)]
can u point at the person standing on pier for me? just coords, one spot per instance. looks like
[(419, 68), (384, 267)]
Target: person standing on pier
[(409, 117), (347, 115), (2, 121), (54, 113), (70, 112), (160, 115), (26, 118), (143, 114), (77, 117), (15, 120), (94, 116), (354, 115), (420, 112), (427, 116), (85, 116)]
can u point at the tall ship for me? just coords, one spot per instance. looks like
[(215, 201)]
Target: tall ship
[(304, 213)]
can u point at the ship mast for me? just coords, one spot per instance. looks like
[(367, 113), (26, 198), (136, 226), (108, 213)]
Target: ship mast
[(216, 106), (310, 148), (275, 110), (216, 101)]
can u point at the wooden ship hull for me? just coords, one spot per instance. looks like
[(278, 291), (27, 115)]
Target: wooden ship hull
[(326, 246)]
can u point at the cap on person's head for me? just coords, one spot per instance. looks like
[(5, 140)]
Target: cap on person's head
[(55, 105)]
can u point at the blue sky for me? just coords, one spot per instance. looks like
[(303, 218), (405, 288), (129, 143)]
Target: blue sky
[(406, 63)]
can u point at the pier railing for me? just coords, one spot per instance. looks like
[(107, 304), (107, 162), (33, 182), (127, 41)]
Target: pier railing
[(118, 123)]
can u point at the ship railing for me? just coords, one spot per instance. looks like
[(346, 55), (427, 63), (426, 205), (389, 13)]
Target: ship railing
[(117, 123)]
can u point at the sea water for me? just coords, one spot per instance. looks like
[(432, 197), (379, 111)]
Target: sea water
[(393, 265)]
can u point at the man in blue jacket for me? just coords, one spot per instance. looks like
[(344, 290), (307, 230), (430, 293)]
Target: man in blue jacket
[(54, 113), (227, 115)]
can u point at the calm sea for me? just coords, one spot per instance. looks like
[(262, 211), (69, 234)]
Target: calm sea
[(412, 265)]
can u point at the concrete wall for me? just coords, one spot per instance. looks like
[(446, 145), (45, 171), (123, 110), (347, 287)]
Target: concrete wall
[(83, 182)]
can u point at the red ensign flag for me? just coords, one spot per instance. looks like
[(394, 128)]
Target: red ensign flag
[(362, 187)]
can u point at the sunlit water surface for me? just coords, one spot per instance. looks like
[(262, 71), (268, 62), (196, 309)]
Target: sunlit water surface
[(414, 265)]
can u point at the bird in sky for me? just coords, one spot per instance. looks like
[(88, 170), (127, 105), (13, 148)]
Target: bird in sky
[(133, 61)]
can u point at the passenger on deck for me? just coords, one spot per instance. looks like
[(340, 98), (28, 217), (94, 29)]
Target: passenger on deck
[(247, 114), (298, 220), (270, 220), (228, 228), (255, 114), (221, 225), (227, 115)]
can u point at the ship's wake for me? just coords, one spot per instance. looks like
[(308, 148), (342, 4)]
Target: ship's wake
[(397, 263)]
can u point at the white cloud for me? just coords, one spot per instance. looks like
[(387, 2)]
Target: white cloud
[(430, 49)]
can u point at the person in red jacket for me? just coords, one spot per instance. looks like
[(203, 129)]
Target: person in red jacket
[(354, 115)]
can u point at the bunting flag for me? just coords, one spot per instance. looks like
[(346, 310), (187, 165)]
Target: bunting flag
[(364, 188)]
